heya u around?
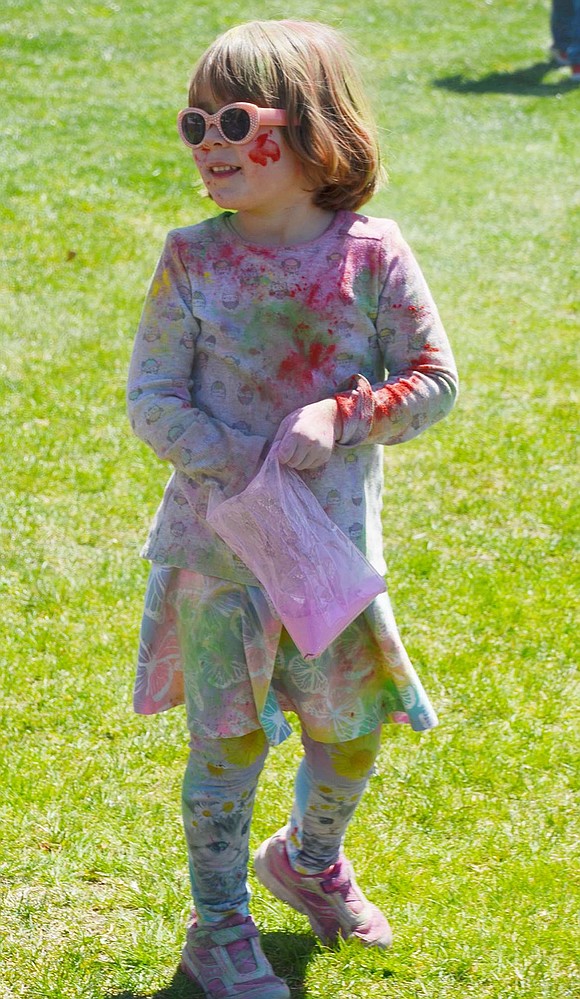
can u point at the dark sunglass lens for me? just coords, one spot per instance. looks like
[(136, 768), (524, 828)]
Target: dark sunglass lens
[(193, 127), (235, 123)]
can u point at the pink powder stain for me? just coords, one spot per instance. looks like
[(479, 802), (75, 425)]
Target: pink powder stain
[(299, 366), (313, 293), (390, 396), (229, 255), (347, 404), (320, 294), (264, 149), (425, 358)]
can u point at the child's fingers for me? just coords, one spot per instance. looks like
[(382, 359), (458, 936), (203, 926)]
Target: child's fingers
[(300, 453), (308, 461), (307, 436), (295, 451), (287, 450)]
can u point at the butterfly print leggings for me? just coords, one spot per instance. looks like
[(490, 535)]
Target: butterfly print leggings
[(219, 789)]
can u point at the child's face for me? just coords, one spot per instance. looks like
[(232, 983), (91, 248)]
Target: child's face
[(261, 176)]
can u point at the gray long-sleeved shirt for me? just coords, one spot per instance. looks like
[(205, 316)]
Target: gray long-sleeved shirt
[(235, 336)]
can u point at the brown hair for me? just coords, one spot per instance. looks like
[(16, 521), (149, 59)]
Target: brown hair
[(305, 68)]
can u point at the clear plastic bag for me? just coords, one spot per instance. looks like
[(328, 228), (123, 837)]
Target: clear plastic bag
[(316, 579)]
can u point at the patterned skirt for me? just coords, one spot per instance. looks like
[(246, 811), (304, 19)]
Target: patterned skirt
[(217, 646)]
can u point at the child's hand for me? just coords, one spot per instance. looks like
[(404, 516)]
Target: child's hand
[(307, 435)]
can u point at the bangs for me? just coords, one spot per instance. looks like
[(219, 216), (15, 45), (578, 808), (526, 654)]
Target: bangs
[(233, 70)]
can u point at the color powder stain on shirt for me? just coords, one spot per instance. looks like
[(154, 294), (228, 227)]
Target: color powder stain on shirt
[(425, 359), (300, 364), (264, 149), (228, 255), (389, 397), (161, 284), (319, 295)]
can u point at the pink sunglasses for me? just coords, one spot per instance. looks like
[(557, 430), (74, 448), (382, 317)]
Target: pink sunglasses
[(236, 123)]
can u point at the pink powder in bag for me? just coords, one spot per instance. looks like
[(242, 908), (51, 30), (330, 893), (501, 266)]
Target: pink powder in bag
[(316, 579)]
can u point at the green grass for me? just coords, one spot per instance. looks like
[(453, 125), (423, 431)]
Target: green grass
[(466, 836)]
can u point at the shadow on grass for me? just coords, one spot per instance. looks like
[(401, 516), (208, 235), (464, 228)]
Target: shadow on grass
[(529, 81), (289, 953)]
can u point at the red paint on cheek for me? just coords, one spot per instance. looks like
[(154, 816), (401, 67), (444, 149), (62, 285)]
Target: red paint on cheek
[(264, 149)]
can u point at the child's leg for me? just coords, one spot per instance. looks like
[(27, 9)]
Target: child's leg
[(330, 782), (303, 864), (219, 788)]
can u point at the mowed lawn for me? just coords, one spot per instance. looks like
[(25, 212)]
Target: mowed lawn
[(468, 836)]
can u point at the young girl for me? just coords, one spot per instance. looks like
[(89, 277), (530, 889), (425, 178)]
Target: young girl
[(286, 317)]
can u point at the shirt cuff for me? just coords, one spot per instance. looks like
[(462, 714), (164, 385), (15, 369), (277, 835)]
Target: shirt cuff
[(356, 407)]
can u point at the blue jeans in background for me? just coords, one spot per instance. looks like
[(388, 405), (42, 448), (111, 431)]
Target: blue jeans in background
[(565, 25)]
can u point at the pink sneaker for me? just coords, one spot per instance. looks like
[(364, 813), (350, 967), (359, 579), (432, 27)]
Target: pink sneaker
[(227, 962), (332, 900)]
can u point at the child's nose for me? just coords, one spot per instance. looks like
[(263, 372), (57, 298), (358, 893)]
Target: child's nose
[(213, 137)]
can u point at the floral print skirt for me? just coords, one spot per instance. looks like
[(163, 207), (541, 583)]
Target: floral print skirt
[(217, 646)]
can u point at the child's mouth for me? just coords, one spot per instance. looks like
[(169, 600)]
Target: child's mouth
[(223, 171)]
